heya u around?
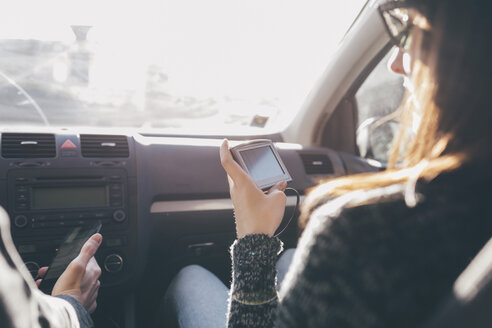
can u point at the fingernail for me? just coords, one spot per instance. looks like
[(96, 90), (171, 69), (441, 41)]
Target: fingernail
[(97, 237)]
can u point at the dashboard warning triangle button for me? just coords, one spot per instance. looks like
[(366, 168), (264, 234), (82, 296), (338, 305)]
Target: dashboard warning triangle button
[(68, 145)]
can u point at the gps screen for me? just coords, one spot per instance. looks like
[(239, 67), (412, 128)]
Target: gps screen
[(261, 163)]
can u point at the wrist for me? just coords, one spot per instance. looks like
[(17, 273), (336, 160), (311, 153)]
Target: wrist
[(243, 231)]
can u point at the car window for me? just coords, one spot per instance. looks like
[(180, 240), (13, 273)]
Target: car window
[(178, 66), (378, 96)]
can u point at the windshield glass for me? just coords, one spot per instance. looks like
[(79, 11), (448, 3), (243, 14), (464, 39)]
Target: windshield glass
[(174, 65)]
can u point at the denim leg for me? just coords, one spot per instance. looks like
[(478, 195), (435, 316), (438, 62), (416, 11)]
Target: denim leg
[(196, 298)]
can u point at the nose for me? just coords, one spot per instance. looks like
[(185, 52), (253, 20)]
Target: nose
[(396, 62)]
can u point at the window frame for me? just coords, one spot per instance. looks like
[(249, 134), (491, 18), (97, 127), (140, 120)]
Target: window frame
[(348, 102)]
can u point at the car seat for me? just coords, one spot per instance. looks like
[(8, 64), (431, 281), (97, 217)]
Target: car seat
[(470, 303)]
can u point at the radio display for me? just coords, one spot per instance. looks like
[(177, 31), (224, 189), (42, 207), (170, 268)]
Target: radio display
[(69, 197)]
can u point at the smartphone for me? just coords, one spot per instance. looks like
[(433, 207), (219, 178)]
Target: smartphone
[(68, 250), (261, 160)]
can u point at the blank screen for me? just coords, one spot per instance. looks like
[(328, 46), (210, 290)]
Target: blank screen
[(67, 197), (261, 163), (69, 249)]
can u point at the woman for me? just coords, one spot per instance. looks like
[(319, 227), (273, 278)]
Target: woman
[(381, 249)]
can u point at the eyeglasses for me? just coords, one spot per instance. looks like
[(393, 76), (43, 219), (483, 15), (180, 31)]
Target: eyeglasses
[(399, 19)]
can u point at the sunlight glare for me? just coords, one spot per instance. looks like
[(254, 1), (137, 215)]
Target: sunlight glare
[(250, 51)]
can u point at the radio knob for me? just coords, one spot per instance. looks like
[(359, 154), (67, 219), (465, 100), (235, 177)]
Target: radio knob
[(113, 263), (119, 216), (33, 268), (20, 221)]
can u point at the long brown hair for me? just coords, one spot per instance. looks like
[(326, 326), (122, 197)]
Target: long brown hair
[(451, 74)]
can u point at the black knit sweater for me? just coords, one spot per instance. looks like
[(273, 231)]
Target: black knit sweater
[(377, 265)]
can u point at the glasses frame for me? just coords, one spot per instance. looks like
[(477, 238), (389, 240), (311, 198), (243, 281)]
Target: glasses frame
[(402, 39)]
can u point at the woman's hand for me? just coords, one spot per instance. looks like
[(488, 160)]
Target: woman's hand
[(80, 278), (255, 211)]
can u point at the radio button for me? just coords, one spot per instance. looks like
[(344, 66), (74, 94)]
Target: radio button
[(20, 221), (37, 225), (113, 263), (21, 206), (21, 197), (102, 215), (21, 189), (119, 216), (54, 224), (114, 242), (27, 248), (115, 187), (39, 218), (67, 223)]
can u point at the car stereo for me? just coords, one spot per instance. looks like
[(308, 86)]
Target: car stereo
[(45, 205), (44, 201)]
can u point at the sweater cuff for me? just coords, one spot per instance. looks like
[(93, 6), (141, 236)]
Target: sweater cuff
[(84, 317), (254, 273)]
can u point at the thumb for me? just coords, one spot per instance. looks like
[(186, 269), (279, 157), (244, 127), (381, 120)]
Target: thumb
[(277, 192), (232, 168), (89, 249), (280, 186)]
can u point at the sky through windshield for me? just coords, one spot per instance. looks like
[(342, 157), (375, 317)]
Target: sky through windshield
[(165, 64)]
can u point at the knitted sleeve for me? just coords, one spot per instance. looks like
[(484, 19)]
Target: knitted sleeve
[(253, 296)]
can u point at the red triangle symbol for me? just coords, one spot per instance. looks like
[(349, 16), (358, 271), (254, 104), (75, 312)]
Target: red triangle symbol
[(68, 145)]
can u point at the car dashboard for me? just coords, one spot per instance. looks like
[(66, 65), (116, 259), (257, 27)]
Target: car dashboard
[(163, 202)]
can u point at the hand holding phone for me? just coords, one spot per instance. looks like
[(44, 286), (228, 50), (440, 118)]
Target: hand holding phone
[(68, 251), (81, 278)]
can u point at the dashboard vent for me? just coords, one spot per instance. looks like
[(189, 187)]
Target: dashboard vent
[(28, 145), (96, 145), (317, 164)]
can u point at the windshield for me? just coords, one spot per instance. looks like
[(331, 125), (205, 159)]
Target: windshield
[(173, 65)]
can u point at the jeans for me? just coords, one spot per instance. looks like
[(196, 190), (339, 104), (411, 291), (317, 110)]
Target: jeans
[(197, 298)]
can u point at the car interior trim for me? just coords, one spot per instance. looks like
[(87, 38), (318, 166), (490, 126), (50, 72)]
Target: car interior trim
[(202, 205)]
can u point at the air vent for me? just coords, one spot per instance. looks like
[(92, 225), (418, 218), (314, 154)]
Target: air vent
[(28, 145), (317, 164), (95, 145)]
